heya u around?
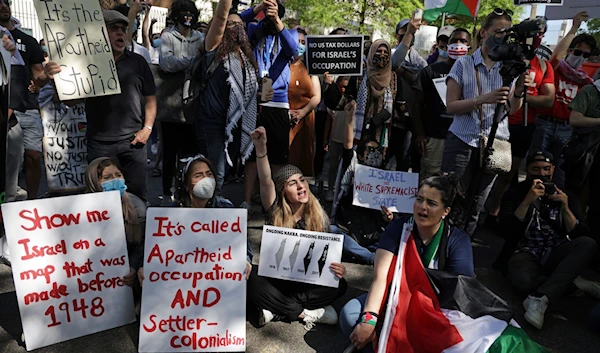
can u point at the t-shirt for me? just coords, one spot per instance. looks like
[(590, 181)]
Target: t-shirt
[(338, 126), (20, 97), (214, 99), (566, 90), (435, 120), (117, 117), (540, 78), (587, 103)]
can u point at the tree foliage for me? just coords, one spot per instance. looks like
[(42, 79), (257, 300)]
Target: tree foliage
[(593, 28)]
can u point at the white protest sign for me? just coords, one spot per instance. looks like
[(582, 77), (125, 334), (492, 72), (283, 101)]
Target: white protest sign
[(194, 297), (65, 146), (69, 256), (572, 8), (374, 188), (425, 38), (300, 255), (77, 40), (440, 87)]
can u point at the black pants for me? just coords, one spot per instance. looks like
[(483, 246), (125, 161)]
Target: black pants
[(288, 298), (320, 121), (593, 214), (556, 274), (179, 141), (131, 158)]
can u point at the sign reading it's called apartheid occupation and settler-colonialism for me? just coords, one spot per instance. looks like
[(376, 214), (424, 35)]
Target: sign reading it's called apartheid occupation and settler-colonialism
[(336, 55)]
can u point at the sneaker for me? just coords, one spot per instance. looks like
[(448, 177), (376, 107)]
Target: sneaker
[(590, 288), (326, 315), (265, 316), (535, 308)]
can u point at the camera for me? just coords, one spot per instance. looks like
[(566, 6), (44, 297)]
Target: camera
[(513, 46), (549, 188)]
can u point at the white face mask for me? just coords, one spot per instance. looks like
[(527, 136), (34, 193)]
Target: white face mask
[(575, 61), (457, 50), (205, 188)]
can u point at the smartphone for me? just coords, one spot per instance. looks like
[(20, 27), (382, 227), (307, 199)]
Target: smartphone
[(418, 14), (267, 84), (549, 188)]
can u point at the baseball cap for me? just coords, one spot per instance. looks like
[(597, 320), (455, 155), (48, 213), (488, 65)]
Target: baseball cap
[(540, 156), (403, 22), (113, 16), (446, 31)]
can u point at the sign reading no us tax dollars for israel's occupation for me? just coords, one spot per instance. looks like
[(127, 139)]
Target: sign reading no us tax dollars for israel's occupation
[(337, 55)]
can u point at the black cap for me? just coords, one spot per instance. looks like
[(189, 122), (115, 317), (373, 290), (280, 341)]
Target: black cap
[(540, 156)]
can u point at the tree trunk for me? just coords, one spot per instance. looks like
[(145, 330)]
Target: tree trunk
[(363, 13)]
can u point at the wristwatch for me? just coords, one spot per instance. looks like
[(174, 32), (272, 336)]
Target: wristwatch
[(148, 127)]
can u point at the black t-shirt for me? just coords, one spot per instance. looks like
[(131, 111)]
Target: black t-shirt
[(20, 97), (435, 120), (117, 117), (214, 99)]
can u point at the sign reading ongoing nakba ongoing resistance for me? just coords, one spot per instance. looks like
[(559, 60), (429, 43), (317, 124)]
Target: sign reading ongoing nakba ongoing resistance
[(337, 55), (69, 256), (194, 291), (77, 40)]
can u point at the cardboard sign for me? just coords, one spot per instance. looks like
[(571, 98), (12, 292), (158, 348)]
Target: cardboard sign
[(69, 256), (572, 8), (300, 255), (374, 188), (77, 40), (65, 146), (194, 267), (339, 55), (543, 2)]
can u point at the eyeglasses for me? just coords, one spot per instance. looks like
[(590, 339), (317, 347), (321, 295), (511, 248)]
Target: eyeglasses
[(578, 52), (117, 28), (499, 12)]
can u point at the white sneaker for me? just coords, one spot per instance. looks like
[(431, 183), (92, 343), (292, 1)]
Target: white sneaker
[(326, 315), (535, 308), (590, 288), (265, 316)]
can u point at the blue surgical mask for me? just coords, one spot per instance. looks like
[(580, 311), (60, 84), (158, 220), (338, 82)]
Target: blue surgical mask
[(301, 50), (443, 53), (44, 49), (156, 43), (114, 184)]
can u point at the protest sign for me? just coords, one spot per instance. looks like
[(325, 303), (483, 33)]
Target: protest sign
[(69, 256), (65, 146), (77, 40), (300, 255), (544, 52), (572, 8), (425, 38), (543, 2), (338, 55), (194, 297), (374, 188), (441, 88)]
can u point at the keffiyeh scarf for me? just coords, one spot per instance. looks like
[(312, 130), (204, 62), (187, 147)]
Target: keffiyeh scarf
[(361, 109)]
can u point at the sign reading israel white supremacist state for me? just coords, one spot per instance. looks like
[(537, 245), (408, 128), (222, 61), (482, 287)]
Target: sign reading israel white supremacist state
[(337, 55), (374, 188), (300, 255), (194, 297)]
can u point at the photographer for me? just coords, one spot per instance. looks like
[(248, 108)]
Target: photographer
[(553, 248)]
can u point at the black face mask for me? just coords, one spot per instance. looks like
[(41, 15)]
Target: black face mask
[(186, 20)]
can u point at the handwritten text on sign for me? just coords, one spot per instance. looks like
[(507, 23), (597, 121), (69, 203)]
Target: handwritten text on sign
[(374, 188), (77, 40), (69, 255), (194, 296), (65, 146), (338, 55), (300, 255)]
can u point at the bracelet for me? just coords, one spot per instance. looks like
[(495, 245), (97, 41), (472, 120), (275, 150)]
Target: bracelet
[(148, 127), (369, 318), (263, 156)]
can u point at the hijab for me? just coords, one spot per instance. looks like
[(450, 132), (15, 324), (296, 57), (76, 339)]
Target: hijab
[(379, 78), (133, 230)]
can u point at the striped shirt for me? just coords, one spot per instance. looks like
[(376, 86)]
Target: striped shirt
[(467, 126)]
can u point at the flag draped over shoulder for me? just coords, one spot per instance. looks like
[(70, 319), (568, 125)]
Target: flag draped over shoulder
[(434, 8), (433, 311)]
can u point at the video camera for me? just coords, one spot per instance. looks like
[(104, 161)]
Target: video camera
[(513, 46)]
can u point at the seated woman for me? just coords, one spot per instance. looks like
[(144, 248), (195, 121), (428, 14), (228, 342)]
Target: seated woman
[(435, 211), (290, 204), (104, 174)]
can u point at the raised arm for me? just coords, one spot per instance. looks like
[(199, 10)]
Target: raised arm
[(134, 8), (217, 27), (563, 46), (267, 187), (145, 26)]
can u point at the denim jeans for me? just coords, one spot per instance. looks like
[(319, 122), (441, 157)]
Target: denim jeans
[(552, 137), (350, 314), (353, 249), (211, 140)]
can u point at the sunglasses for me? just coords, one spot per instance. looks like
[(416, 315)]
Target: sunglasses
[(578, 52), (499, 12), (373, 149)]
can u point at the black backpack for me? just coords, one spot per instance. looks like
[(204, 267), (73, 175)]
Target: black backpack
[(194, 84)]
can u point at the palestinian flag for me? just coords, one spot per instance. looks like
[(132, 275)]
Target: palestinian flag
[(434, 8), (432, 311)]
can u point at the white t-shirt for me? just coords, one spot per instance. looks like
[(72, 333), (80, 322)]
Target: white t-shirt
[(140, 50)]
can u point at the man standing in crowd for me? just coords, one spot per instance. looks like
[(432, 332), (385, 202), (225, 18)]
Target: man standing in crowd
[(552, 125), (441, 52), (274, 48), (553, 247), (116, 127), (26, 67), (132, 31), (431, 123)]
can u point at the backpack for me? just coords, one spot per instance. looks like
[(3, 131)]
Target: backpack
[(194, 83)]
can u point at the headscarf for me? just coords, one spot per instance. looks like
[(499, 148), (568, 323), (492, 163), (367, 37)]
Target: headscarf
[(379, 78), (133, 231), (283, 175)]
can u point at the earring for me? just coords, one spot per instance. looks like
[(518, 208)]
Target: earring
[(443, 217)]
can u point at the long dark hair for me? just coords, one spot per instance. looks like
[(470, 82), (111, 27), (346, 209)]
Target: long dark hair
[(450, 187)]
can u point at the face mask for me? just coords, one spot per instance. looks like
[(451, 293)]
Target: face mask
[(301, 50), (492, 42), (114, 184), (457, 50), (186, 20), (156, 42), (381, 60), (575, 61), (205, 188), (44, 49), (374, 158), (443, 53)]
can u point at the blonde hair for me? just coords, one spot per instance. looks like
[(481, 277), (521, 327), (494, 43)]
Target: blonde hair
[(315, 218)]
